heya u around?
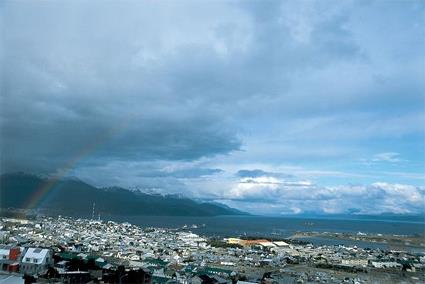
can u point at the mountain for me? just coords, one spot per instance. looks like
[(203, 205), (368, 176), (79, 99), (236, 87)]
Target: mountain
[(384, 217), (73, 196)]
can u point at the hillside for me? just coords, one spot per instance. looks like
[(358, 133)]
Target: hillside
[(20, 190)]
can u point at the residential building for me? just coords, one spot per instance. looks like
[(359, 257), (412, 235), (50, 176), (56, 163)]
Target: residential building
[(36, 261)]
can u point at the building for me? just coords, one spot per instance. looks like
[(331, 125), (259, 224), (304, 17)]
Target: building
[(386, 264), (36, 261), (355, 262), (9, 258), (248, 243), (281, 244), (233, 241), (74, 276)]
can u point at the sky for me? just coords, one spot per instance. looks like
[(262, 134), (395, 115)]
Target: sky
[(271, 107)]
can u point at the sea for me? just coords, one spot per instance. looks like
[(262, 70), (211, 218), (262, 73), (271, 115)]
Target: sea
[(285, 227), (225, 226)]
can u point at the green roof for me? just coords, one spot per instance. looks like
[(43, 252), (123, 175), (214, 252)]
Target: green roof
[(155, 261), (68, 255), (214, 270), (101, 263), (159, 279)]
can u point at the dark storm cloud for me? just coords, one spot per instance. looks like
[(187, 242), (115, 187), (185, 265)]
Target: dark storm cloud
[(80, 85), (260, 173), (181, 173), (252, 173)]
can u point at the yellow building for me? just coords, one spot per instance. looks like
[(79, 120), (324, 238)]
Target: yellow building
[(233, 241)]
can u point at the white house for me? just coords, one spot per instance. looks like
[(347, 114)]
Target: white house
[(386, 264), (355, 262), (36, 261)]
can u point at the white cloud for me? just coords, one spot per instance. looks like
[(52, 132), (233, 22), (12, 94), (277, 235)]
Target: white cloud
[(391, 157), (305, 196)]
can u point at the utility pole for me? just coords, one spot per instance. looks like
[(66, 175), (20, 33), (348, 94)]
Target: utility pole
[(92, 215)]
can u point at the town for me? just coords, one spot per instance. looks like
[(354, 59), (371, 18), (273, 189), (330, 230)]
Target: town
[(68, 250)]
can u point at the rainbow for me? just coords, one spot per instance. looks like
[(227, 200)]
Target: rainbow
[(43, 190)]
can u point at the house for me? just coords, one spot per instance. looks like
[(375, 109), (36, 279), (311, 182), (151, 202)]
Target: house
[(208, 279), (61, 266), (9, 258), (215, 271), (36, 261), (355, 262), (74, 276), (386, 264), (123, 275)]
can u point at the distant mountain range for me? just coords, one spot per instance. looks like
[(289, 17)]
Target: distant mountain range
[(393, 217), (73, 196)]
